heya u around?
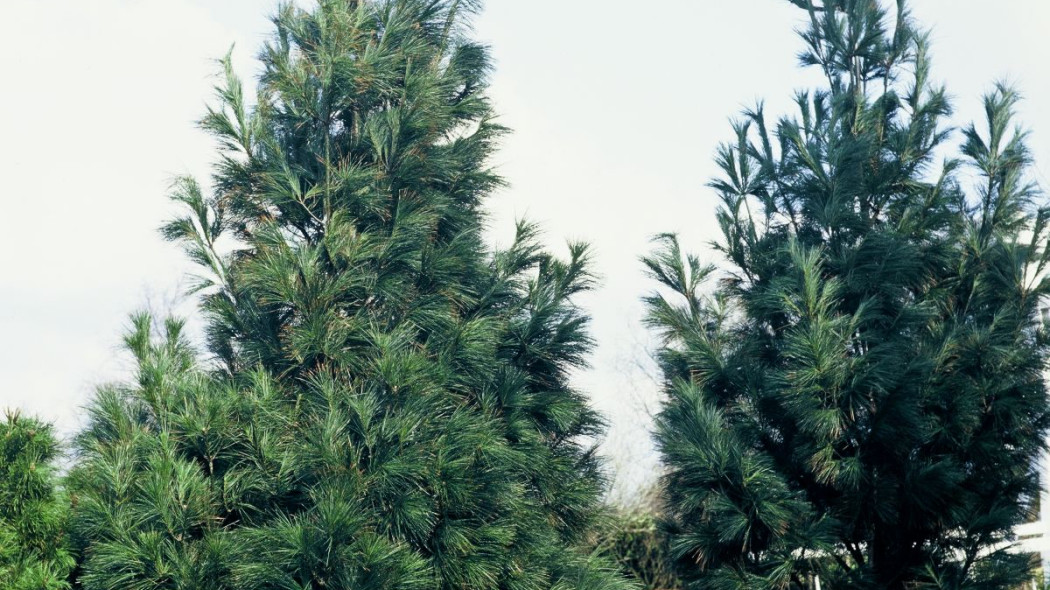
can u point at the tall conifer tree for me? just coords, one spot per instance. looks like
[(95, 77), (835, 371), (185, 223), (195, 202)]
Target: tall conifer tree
[(862, 396), (34, 547), (388, 405)]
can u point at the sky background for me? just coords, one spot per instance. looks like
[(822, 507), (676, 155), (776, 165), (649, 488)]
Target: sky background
[(617, 107)]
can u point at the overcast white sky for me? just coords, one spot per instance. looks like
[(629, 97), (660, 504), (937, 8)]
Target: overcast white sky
[(616, 105)]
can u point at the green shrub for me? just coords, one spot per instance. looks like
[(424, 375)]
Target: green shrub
[(34, 554)]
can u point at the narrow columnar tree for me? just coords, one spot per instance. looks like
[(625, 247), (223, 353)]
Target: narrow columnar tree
[(387, 401), (34, 549), (861, 399)]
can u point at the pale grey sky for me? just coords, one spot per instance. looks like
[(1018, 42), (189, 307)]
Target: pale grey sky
[(616, 106)]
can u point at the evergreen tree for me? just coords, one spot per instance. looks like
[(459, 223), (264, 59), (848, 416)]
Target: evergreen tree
[(387, 404), (34, 551), (635, 539), (862, 397)]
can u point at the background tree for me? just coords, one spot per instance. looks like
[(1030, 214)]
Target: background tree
[(862, 397), (34, 550), (388, 405), (634, 538)]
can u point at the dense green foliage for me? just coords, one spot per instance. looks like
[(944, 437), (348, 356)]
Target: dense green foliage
[(634, 538), (387, 405), (34, 550), (862, 396)]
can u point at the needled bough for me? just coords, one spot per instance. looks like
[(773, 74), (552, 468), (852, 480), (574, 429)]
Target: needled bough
[(386, 404), (859, 402)]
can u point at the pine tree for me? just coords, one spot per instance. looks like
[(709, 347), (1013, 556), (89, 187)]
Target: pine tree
[(386, 403), (34, 550), (861, 398)]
